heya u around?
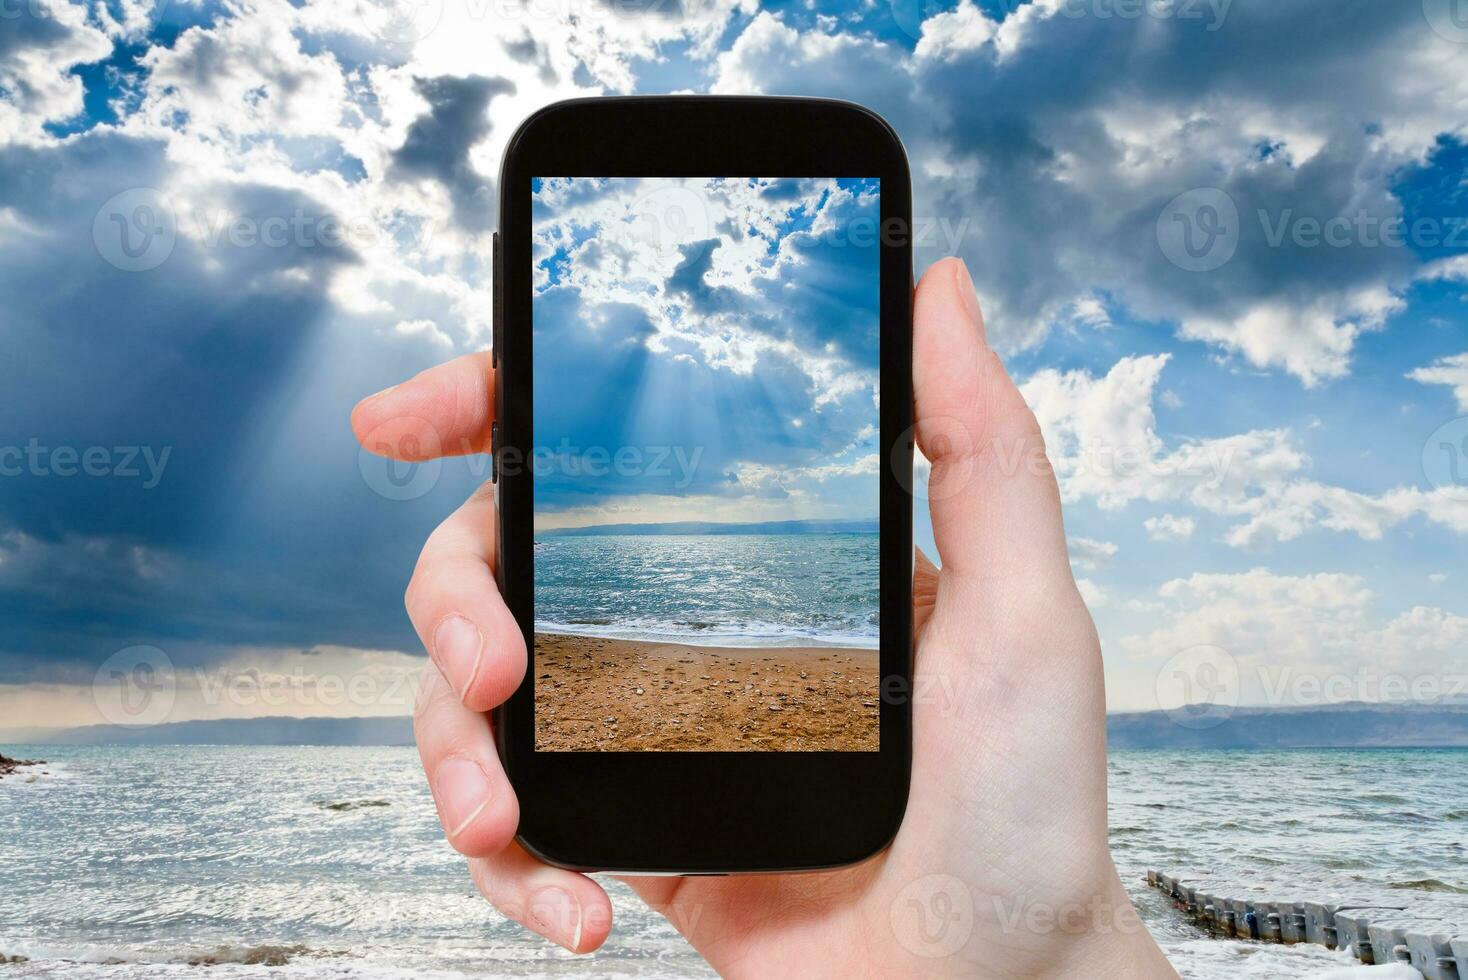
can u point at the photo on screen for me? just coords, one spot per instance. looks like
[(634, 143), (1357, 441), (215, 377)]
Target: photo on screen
[(706, 463)]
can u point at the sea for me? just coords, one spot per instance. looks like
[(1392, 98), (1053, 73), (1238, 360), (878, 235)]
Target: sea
[(306, 862), (711, 589)]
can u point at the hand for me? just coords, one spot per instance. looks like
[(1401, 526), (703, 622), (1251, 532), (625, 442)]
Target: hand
[(1001, 867)]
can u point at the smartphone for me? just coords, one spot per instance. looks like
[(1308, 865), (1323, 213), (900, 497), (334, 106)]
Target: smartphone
[(703, 462)]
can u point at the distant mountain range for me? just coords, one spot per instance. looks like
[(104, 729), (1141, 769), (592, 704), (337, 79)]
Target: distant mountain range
[(1351, 725), (710, 527), (227, 731)]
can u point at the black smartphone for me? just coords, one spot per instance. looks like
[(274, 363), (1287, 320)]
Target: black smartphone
[(703, 460)]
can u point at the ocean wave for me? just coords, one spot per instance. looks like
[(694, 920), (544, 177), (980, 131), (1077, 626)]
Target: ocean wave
[(714, 634), (260, 954), (345, 806), (268, 961), (1427, 885)]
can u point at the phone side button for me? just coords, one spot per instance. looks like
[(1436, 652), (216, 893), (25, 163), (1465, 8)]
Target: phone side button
[(496, 281), (494, 452)]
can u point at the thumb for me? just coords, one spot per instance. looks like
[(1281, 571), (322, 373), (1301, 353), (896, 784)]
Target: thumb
[(992, 492), (924, 591)]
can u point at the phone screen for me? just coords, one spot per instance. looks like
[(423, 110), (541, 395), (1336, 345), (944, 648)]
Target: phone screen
[(706, 463)]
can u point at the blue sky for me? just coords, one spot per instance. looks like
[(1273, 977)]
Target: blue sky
[(720, 334), (222, 223)]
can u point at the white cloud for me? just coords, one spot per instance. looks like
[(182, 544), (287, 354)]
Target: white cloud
[(246, 76), (42, 41), (1451, 371), (1170, 527), (1291, 618), (1091, 553), (1312, 340), (1101, 434), (948, 35), (1281, 628), (626, 240), (1094, 596)]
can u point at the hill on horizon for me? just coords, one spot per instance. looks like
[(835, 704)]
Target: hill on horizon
[(280, 730), (1345, 726)]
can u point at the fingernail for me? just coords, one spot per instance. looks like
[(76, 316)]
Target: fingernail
[(463, 793), (556, 916), (970, 297), (457, 647)]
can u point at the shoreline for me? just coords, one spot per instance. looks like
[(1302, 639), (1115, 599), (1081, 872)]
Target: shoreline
[(714, 641), (12, 767), (608, 694)]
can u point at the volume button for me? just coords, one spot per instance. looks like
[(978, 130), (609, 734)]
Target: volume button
[(497, 283), (494, 452)]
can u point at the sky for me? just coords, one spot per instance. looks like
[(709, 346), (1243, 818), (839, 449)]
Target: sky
[(1221, 245), (705, 349)]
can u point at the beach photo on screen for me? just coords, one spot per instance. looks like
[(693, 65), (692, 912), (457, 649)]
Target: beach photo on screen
[(706, 464)]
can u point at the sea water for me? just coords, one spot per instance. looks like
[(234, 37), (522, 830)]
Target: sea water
[(130, 862), (714, 589)]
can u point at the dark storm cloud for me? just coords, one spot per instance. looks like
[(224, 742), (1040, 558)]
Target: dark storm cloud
[(634, 397), (688, 281), (1051, 175), (438, 143), (1060, 145), (817, 304), (529, 51), (177, 463)]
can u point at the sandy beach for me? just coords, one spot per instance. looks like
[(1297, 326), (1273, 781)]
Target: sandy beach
[(599, 694)]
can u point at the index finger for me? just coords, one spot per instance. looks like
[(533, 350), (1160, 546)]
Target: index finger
[(447, 410)]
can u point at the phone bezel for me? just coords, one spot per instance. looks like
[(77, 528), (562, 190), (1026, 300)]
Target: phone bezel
[(707, 812)]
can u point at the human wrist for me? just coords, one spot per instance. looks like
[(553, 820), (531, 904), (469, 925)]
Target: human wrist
[(1107, 939), (1077, 924)]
